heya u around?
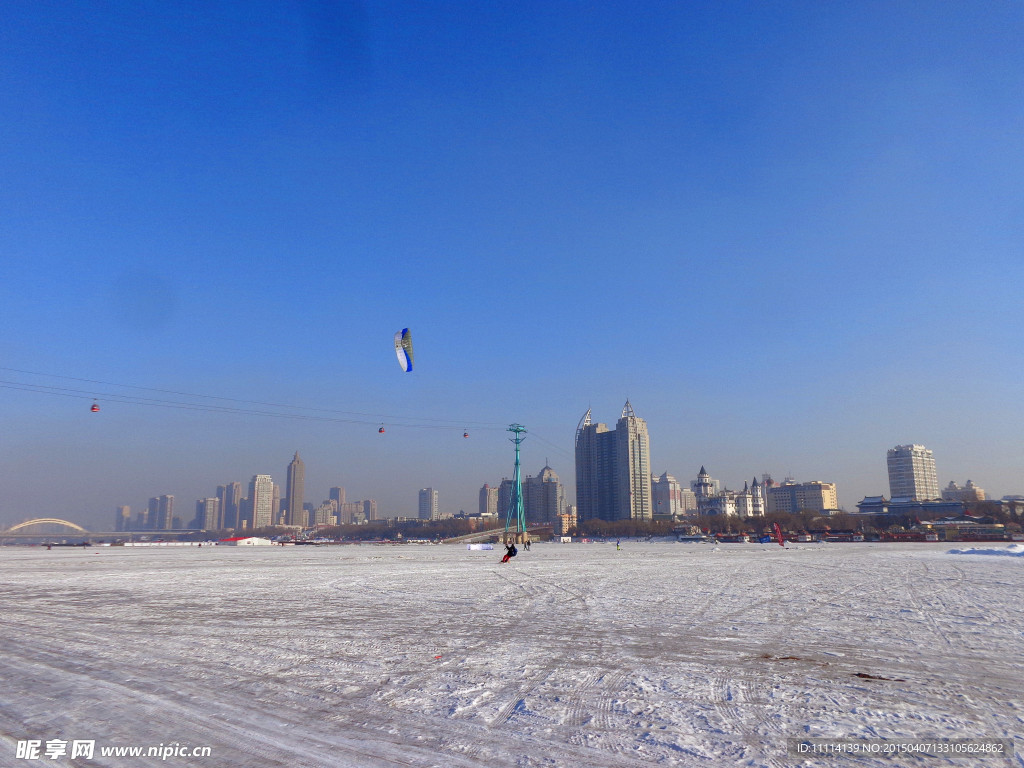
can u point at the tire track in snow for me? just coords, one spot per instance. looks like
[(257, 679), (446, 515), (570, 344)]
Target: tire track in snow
[(540, 603), (245, 728), (738, 700), (919, 605), (534, 589), (738, 697), (588, 703), (234, 728)]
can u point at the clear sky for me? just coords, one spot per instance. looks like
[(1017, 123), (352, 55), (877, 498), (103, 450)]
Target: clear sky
[(792, 234)]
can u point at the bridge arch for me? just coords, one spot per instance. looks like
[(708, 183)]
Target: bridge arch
[(45, 521)]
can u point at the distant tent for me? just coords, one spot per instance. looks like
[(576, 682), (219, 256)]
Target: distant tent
[(245, 541)]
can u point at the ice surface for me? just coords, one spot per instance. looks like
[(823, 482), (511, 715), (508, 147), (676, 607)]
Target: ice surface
[(571, 655)]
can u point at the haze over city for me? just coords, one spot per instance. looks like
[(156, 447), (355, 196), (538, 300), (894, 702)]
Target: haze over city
[(792, 235)]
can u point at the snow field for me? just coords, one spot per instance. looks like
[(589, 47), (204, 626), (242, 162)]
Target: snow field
[(570, 655)]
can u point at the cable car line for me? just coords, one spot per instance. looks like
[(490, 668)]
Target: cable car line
[(374, 417), (311, 413)]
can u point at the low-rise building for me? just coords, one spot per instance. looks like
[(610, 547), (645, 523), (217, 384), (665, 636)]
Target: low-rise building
[(969, 493), (793, 497), (904, 505)]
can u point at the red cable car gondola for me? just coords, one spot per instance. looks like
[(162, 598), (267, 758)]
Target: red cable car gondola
[(465, 434), (381, 430), (95, 407)]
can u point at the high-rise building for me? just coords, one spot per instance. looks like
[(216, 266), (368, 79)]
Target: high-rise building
[(505, 490), (351, 512), (633, 457), (912, 473), (123, 519), (164, 512), (244, 514), (429, 509), (595, 471), (613, 476), (370, 509), (667, 497), (688, 501), (230, 512), (295, 494), (142, 519), (261, 501), (207, 514), (488, 500), (326, 513), (544, 497), (337, 494)]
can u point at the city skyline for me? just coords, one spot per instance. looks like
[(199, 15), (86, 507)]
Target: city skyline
[(789, 234), (231, 506)]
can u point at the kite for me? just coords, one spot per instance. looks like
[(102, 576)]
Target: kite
[(403, 349)]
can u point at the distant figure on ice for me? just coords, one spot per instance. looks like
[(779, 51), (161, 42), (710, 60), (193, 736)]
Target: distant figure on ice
[(510, 551), (616, 545), (526, 546)]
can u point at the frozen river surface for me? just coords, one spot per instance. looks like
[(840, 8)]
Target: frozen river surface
[(570, 655)]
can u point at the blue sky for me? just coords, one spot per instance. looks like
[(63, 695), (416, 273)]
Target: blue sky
[(792, 234)]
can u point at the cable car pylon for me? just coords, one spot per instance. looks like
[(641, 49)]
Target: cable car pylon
[(515, 505)]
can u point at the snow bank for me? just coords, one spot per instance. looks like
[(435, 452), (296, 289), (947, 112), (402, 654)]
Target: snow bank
[(1014, 550)]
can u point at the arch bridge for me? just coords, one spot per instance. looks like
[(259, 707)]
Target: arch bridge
[(45, 521)]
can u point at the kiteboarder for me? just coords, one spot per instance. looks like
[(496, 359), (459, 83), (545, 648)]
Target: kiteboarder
[(510, 551)]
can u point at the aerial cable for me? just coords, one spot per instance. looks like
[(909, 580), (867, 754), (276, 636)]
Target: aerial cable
[(304, 413), (113, 397), (373, 417), (554, 446)]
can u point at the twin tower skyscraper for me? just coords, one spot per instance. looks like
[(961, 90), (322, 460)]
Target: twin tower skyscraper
[(613, 469)]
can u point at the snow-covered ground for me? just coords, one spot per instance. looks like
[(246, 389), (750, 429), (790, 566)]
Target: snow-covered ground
[(570, 655)]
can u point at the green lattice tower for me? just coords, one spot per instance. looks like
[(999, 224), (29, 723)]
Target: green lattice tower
[(515, 504)]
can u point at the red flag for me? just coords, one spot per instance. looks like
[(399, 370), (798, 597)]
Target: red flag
[(778, 536)]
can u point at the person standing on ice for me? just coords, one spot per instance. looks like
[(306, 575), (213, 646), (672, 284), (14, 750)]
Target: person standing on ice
[(510, 551)]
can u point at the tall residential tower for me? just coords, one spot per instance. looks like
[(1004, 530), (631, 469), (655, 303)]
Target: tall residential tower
[(912, 473), (613, 469), (261, 501), (428, 506)]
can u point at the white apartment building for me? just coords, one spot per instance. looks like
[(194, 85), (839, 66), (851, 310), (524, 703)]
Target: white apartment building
[(912, 473)]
